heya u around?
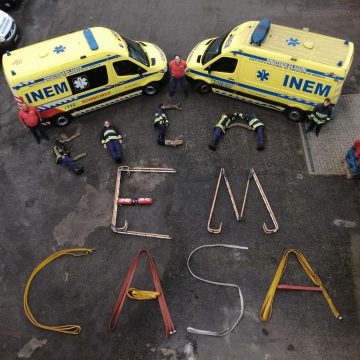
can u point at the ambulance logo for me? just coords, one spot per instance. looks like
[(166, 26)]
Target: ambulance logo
[(81, 82), (263, 75), (293, 42), (59, 49)]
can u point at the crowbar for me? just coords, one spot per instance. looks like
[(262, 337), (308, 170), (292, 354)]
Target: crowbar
[(267, 204), (218, 229)]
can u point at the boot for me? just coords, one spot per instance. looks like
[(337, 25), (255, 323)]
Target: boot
[(212, 146), (260, 147), (174, 143), (79, 171)]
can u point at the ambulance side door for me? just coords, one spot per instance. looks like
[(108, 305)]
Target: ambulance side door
[(223, 72), (128, 75), (90, 85)]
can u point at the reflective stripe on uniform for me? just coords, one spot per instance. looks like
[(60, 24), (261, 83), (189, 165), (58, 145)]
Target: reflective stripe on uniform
[(223, 123), (58, 154), (110, 134), (255, 123), (161, 119)]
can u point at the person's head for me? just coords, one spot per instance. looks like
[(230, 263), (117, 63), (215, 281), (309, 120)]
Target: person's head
[(106, 123), (327, 102), (161, 106), (58, 142), (24, 107), (177, 59)]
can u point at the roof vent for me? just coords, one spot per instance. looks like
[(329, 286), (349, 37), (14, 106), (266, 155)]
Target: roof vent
[(8, 53), (90, 39), (308, 44), (260, 32), (346, 42), (13, 73), (340, 63)]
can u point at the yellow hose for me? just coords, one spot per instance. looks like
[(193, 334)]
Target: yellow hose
[(136, 294), (66, 329), (266, 309)]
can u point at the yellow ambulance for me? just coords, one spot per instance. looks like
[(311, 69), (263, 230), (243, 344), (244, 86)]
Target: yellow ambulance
[(271, 65), (83, 71)]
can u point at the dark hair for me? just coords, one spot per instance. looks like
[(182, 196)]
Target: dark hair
[(327, 100)]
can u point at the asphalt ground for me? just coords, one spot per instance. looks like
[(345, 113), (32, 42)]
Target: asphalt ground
[(44, 209)]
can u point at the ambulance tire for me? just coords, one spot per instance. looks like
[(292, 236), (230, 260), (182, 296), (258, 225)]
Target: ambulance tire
[(202, 87), (151, 89), (62, 120), (294, 114)]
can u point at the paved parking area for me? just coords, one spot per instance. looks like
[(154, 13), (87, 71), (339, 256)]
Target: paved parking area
[(44, 208), (324, 153)]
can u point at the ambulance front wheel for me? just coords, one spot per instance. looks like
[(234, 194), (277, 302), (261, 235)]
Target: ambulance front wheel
[(294, 114), (202, 87), (62, 120), (151, 89)]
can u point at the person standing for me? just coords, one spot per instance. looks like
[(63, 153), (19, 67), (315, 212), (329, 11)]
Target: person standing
[(320, 115), (30, 117), (177, 75), (111, 140)]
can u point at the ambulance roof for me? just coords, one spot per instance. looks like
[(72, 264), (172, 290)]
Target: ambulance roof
[(50, 55), (296, 43)]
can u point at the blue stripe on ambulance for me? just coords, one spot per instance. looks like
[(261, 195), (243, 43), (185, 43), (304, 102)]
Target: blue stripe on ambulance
[(30, 82), (79, 97), (307, 70), (302, 101)]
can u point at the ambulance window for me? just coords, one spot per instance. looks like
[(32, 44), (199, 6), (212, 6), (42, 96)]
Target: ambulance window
[(224, 64), (126, 67), (88, 80)]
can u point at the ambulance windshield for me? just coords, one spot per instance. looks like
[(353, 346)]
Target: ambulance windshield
[(214, 49), (136, 52)]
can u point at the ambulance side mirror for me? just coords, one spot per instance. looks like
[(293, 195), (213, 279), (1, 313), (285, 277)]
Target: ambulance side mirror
[(140, 71), (208, 69)]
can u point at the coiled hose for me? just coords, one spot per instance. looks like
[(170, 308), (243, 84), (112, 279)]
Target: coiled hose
[(66, 329), (226, 331), (266, 308)]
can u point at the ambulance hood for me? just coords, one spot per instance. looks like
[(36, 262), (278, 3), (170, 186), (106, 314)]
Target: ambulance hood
[(5, 24)]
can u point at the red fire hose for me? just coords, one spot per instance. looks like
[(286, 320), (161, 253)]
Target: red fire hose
[(168, 324)]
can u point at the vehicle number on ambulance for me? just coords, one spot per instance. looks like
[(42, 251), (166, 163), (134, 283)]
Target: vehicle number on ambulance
[(222, 84)]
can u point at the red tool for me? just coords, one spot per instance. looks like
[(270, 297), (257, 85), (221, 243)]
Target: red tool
[(169, 326), (135, 201)]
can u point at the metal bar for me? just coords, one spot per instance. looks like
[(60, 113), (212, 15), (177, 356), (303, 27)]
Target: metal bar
[(209, 228), (231, 196), (116, 195), (245, 196), (140, 233), (298, 287), (267, 204)]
